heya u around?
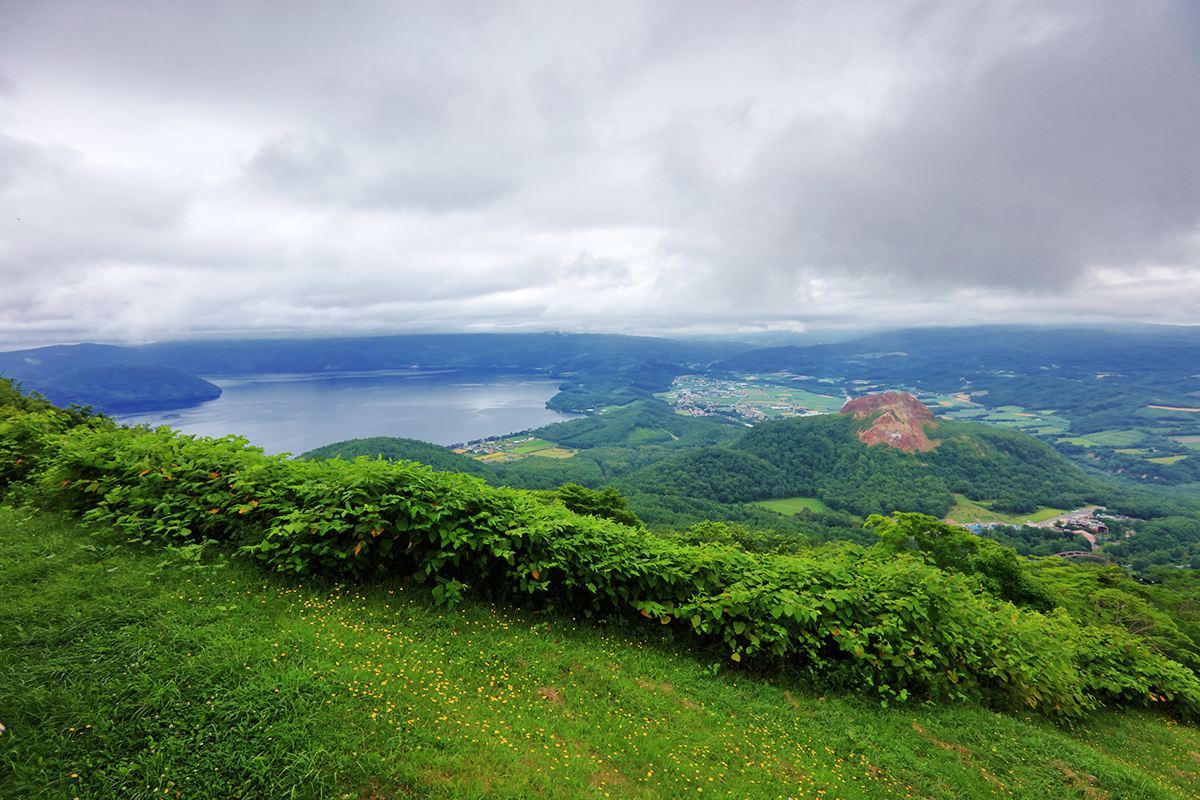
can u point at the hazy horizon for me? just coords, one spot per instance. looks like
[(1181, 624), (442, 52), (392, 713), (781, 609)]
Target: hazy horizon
[(756, 337)]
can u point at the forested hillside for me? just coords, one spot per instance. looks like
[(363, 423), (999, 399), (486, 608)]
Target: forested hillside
[(399, 449), (129, 388)]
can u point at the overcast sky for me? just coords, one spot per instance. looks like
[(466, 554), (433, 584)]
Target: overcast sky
[(177, 169)]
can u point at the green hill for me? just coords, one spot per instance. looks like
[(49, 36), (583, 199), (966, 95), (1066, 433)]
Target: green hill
[(399, 449), (128, 387), (822, 457)]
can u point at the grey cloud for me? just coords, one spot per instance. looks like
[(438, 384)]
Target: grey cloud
[(1084, 150), (313, 171), (18, 159), (620, 166), (437, 190), (61, 218), (300, 165)]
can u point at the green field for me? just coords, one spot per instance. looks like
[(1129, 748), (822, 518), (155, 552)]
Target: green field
[(531, 447), (818, 402), (967, 511), (1039, 422), (793, 505), (966, 413), (1117, 438), (1166, 459), (555, 452), (1190, 441), (124, 675)]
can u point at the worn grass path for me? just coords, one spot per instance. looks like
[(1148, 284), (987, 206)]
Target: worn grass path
[(129, 673)]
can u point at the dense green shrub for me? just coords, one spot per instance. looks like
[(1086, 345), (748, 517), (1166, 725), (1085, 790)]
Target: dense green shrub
[(27, 426)]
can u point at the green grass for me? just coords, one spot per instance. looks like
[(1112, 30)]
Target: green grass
[(1117, 438), (793, 505), (1042, 423), (555, 452), (966, 413), (967, 511), (1043, 514), (129, 673), (827, 404), (1166, 459), (531, 447)]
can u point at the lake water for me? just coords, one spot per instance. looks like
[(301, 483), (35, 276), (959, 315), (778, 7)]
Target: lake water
[(298, 412)]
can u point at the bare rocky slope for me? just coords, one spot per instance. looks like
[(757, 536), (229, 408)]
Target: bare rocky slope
[(901, 422)]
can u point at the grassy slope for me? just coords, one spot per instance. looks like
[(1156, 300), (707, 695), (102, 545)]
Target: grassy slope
[(793, 505), (124, 676), (969, 512)]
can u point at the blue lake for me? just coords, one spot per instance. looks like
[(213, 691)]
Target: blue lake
[(293, 413)]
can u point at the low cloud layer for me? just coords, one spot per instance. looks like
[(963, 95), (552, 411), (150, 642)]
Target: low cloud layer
[(269, 167)]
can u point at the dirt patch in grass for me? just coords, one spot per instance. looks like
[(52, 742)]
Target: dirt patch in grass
[(1082, 781), (958, 748), (666, 688), (606, 777)]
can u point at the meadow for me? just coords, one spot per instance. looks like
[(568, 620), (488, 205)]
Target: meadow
[(793, 505), (127, 672), (969, 511), (1113, 438), (1037, 422)]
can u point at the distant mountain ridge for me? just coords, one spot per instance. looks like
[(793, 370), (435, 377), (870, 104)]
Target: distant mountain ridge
[(596, 370), (942, 357), (1098, 379)]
